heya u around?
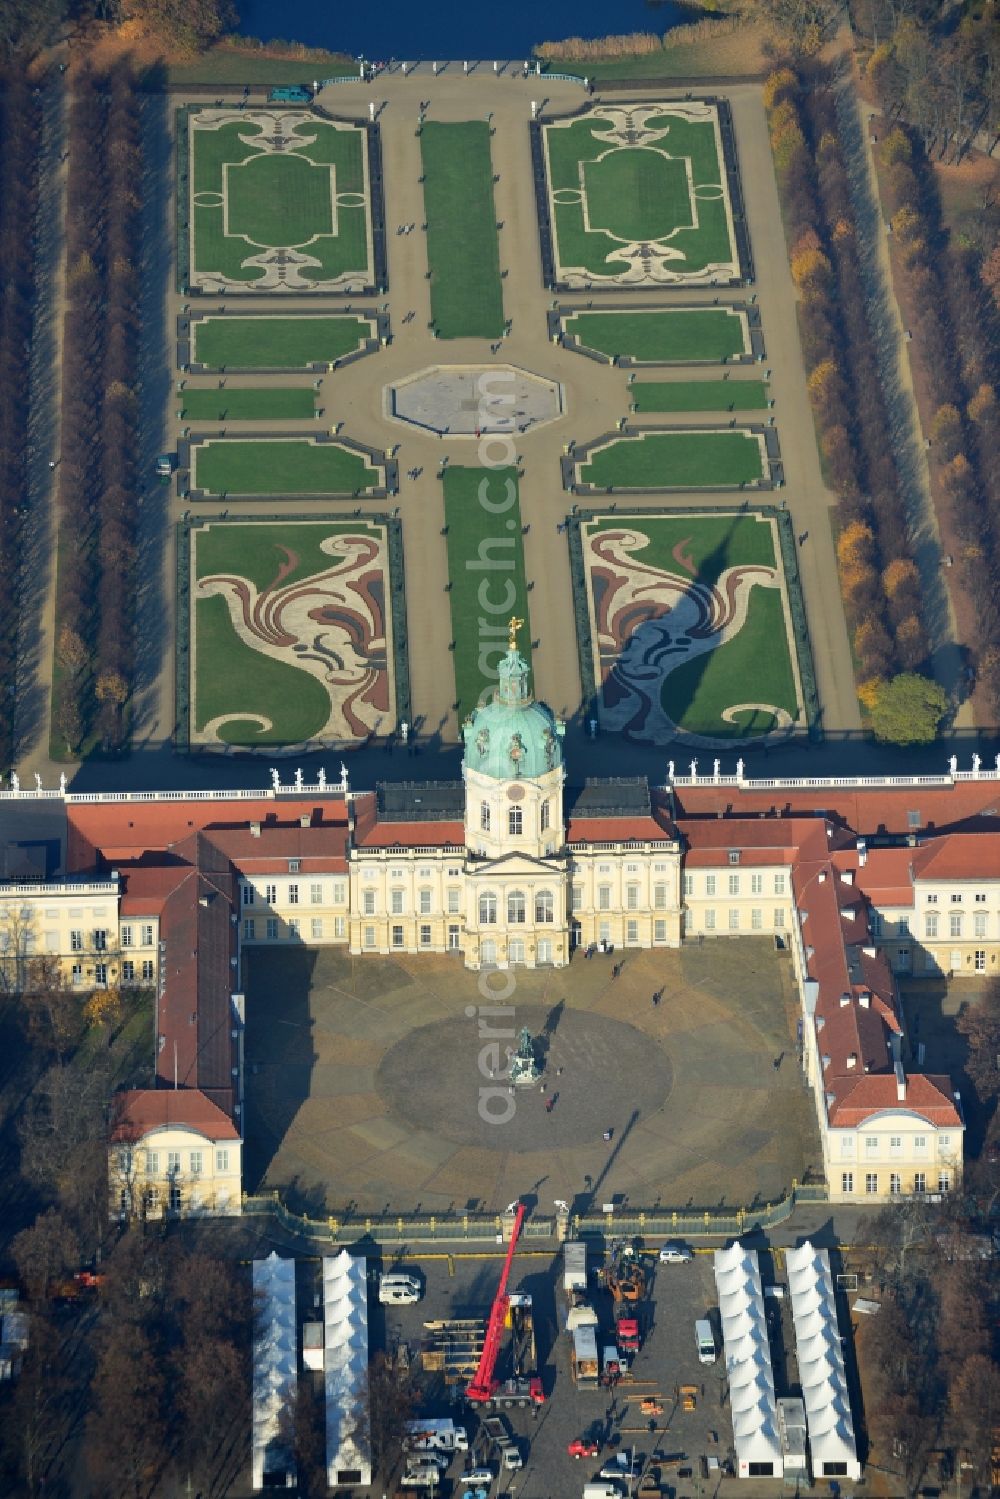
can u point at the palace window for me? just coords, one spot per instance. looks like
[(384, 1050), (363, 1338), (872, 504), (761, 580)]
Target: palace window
[(516, 907), (930, 924), (397, 936), (316, 895), (604, 897), (545, 816), (515, 822), (126, 937), (756, 884), (710, 884), (871, 1183), (425, 902), (316, 928), (397, 898), (659, 897), (454, 901), (847, 1181), (544, 906), (487, 908), (632, 897), (368, 902), (484, 816)]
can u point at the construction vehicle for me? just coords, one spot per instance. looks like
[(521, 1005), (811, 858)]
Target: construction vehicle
[(524, 1387), (627, 1330), (624, 1276), (498, 1432)]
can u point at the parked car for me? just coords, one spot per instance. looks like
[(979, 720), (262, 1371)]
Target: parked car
[(477, 1475), (621, 1466), (676, 1254)]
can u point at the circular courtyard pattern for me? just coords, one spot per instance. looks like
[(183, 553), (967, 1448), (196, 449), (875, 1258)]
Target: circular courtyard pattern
[(597, 1070)]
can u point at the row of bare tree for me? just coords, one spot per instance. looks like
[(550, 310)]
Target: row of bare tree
[(956, 335), (879, 580), (19, 131), (96, 587)]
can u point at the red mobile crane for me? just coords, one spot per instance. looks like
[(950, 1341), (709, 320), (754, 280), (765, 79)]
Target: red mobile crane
[(486, 1390)]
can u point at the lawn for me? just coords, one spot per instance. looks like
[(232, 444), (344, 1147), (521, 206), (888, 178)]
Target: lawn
[(482, 541), (232, 404), (755, 665), (276, 343), (290, 466), (665, 191), (699, 395), (231, 65), (462, 247), (675, 460), (246, 201), (683, 336), (231, 678)]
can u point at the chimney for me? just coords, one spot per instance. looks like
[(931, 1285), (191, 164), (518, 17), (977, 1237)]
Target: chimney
[(305, 820), (847, 875), (845, 999), (865, 1000), (852, 1060), (900, 1082), (870, 952), (204, 900), (810, 953), (825, 1060), (255, 830), (862, 849), (822, 876)]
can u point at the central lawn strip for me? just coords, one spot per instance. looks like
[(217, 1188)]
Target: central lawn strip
[(462, 248), (231, 404), (684, 335), (277, 343), (699, 395), (483, 598), (262, 466), (676, 460)]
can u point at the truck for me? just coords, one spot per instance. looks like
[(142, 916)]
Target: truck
[(574, 1267), (435, 1434), (627, 1330), (584, 1365), (614, 1364), (498, 1432)]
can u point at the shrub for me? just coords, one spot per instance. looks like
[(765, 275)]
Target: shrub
[(908, 709)]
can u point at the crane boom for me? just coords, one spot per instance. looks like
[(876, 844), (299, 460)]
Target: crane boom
[(483, 1385)]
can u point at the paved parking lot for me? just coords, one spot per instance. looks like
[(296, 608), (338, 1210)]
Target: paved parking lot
[(680, 1294)]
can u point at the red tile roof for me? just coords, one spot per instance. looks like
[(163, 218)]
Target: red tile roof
[(143, 1110), (411, 835), (928, 1096), (868, 812), (617, 830)]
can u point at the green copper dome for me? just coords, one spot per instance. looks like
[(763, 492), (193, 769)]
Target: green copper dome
[(513, 738)]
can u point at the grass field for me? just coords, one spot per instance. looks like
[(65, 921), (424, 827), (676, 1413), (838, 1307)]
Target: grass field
[(675, 460), (667, 192), (462, 247), (477, 535), (275, 466), (247, 201), (753, 665), (232, 65), (232, 678), (683, 336), (276, 343), (231, 404), (699, 395)]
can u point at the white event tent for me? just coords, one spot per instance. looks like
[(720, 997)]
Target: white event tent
[(275, 1373), (345, 1364), (748, 1364), (821, 1364)]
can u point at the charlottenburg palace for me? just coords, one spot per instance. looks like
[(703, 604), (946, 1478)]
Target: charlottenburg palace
[(862, 880)]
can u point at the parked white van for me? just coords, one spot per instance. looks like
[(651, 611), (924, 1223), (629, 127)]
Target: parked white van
[(705, 1339), (397, 1289)]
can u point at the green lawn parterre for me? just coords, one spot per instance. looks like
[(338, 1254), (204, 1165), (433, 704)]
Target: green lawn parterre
[(675, 460), (483, 598), (229, 676), (755, 665), (684, 335), (276, 343), (699, 395), (297, 465), (462, 247), (246, 200), (666, 190), (249, 404)]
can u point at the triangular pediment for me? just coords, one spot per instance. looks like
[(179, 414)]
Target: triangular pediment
[(514, 863)]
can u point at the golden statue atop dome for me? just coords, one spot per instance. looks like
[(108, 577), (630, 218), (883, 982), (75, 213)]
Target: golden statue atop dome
[(515, 625)]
